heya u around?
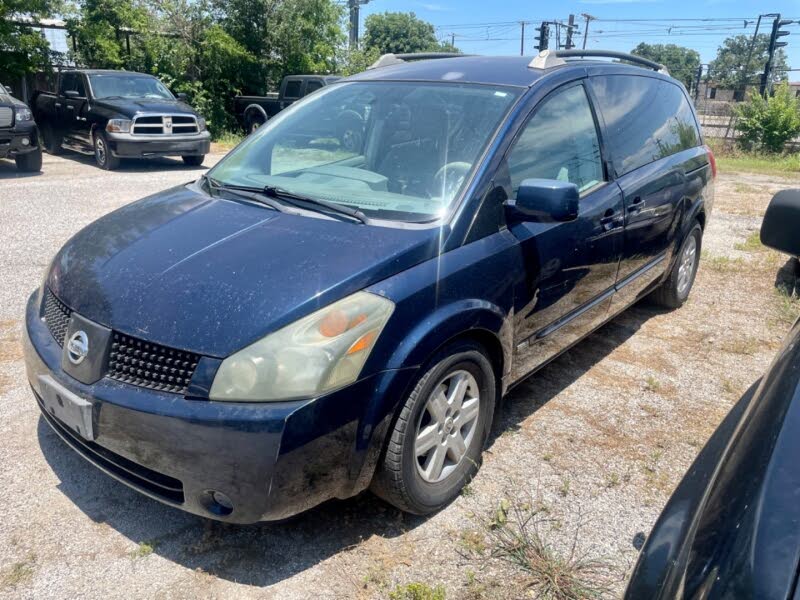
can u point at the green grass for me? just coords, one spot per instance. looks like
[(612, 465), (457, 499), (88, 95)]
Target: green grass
[(788, 307), (143, 549), (417, 591), (18, 573), (227, 140)]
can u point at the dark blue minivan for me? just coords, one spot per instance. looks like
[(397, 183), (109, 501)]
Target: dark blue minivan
[(343, 300)]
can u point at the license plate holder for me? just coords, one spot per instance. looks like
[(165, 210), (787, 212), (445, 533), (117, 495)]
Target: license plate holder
[(70, 409)]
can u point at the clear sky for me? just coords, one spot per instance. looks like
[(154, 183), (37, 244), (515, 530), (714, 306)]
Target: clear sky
[(491, 27)]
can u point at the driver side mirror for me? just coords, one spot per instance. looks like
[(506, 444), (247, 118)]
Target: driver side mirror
[(182, 97), (9, 89), (545, 200), (71, 94), (780, 229)]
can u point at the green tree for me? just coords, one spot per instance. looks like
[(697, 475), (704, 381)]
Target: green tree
[(399, 32), (102, 28), (729, 70), (768, 123), (22, 49), (681, 62)]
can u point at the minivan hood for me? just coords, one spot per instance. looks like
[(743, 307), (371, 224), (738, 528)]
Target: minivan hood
[(130, 107), (213, 275)]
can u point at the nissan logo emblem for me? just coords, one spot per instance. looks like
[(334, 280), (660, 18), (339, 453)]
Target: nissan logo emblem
[(78, 347)]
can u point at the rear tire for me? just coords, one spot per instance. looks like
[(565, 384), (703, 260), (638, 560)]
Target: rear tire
[(193, 161), (674, 292), (429, 459), (102, 153), (254, 122), (30, 162)]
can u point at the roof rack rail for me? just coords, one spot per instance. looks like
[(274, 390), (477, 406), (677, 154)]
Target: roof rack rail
[(387, 60), (553, 58)]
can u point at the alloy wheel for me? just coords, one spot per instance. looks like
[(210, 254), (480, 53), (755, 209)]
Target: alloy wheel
[(687, 264), (446, 426)]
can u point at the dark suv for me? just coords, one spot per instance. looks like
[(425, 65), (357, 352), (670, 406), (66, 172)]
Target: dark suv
[(19, 138), (310, 319)]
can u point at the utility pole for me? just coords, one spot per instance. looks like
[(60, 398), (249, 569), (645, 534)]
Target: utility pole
[(522, 39), (697, 77), (543, 39), (354, 6), (570, 29), (453, 40), (588, 18), (774, 44)]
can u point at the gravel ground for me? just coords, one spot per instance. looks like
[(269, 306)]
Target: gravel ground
[(596, 441)]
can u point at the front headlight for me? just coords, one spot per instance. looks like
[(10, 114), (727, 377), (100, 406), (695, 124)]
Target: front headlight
[(118, 126), (24, 114), (201, 124), (321, 352)]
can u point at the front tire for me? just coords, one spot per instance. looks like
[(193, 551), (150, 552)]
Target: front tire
[(435, 445), (30, 162), (51, 140), (193, 161), (674, 292), (102, 153)]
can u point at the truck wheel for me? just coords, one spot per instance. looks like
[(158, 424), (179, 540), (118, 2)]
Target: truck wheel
[(254, 121), (102, 153), (30, 162), (435, 445), (675, 290), (193, 161), (51, 140)]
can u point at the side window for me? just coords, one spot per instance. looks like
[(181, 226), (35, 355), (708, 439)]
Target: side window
[(79, 86), (67, 82), (292, 89), (559, 142), (313, 86), (646, 118)]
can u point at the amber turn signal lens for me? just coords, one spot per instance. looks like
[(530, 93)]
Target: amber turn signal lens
[(363, 343)]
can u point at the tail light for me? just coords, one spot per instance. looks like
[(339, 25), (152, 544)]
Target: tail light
[(712, 161)]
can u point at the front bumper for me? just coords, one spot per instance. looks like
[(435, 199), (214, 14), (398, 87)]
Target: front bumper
[(125, 145), (272, 460), (12, 141)]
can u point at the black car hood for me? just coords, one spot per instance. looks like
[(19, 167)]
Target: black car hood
[(213, 275), (732, 527), (9, 100), (130, 107)]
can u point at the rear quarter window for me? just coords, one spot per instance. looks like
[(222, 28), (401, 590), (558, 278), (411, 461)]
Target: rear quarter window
[(646, 119)]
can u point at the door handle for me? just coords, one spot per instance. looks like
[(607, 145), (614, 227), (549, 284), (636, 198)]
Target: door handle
[(612, 220), (70, 107), (57, 104), (637, 204)]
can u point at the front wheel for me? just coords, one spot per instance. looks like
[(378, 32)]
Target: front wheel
[(434, 448), (102, 153), (675, 290), (30, 162), (193, 161)]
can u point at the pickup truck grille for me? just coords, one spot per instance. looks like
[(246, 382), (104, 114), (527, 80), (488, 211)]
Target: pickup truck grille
[(6, 116), (165, 125)]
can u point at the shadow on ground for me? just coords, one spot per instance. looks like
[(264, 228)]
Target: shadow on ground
[(267, 553), (8, 170)]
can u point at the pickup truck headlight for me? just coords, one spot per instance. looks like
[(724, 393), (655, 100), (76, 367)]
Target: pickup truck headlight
[(201, 124), (24, 114), (318, 353), (118, 126)]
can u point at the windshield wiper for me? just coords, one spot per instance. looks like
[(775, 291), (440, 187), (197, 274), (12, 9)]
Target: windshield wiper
[(253, 194), (300, 200)]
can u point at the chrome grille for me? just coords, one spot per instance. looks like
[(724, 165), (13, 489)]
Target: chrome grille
[(6, 116), (163, 125)]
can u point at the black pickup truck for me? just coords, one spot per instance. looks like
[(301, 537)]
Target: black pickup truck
[(253, 111), (19, 138), (118, 114)]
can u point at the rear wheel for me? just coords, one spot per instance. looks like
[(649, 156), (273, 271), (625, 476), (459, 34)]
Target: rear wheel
[(254, 121), (194, 161), (675, 290), (102, 153), (434, 448), (30, 162)]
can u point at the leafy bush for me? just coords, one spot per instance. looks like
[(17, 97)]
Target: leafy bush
[(768, 123)]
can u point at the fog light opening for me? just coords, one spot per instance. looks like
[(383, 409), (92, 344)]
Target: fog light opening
[(26, 142), (216, 502)]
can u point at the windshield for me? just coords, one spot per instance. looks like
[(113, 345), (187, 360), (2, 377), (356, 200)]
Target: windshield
[(394, 150), (128, 86)]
